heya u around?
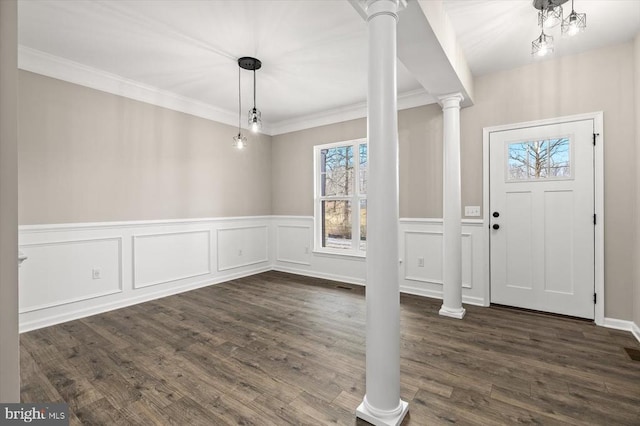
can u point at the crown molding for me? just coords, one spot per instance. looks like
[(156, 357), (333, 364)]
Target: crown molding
[(63, 69), (406, 100)]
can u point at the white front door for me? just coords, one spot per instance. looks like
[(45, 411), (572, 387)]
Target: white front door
[(542, 218)]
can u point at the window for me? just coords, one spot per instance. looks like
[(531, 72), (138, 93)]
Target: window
[(340, 197), (543, 159)]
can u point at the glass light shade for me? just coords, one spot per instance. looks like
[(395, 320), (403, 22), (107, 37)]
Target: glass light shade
[(255, 119), (542, 46), (574, 24), (240, 141), (550, 17)]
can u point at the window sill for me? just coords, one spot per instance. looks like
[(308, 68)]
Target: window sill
[(330, 253)]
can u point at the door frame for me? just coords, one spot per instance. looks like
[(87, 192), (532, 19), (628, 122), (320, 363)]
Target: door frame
[(598, 161)]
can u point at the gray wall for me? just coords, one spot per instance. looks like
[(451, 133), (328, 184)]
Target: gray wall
[(95, 157), (98, 157), (420, 157), (9, 340), (599, 80)]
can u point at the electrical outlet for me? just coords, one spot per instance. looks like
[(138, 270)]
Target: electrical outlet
[(472, 211), (421, 262), (96, 273)]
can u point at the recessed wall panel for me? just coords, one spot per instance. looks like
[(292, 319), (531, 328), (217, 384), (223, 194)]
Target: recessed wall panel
[(56, 273), (162, 258)]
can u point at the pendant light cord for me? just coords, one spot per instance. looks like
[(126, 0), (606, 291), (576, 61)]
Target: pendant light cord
[(254, 87), (239, 103)]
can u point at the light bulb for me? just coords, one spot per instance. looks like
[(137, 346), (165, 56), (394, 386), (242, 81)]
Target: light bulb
[(254, 126), (544, 49), (240, 144)]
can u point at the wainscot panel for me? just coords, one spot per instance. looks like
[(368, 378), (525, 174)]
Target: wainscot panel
[(76, 270)]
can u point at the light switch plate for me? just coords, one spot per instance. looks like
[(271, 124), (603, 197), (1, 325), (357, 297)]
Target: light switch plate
[(472, 211)]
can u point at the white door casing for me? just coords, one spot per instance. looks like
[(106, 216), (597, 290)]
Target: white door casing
[(546, 254)]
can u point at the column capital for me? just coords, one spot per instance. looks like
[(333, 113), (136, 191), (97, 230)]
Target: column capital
[(375, 8), (451, 100)]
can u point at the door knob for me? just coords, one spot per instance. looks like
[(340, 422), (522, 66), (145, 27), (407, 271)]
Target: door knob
[(496, 214), (496, 226)]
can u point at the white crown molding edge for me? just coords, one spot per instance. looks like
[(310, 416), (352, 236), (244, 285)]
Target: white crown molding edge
[(43, 63), (406, 100), (63, 69)]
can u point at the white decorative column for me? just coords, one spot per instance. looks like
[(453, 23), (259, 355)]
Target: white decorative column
[(452, 238), (382, 404)]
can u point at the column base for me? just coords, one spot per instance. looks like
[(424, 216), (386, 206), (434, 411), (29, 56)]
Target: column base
[(452, 313), (379, 419)]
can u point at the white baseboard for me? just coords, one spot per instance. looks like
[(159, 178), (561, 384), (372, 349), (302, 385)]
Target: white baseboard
[(434, 294), (636, 331), (147, 297), (622, 325), (316, 274)]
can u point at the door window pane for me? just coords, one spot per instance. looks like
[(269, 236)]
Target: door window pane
[(336, 224), (532, 160)]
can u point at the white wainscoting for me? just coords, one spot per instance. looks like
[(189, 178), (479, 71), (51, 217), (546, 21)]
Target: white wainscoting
[(419, 238), (146, 260), (294, 253), (242, 246), (136, 262)]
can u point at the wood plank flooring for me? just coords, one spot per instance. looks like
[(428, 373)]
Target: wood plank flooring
[(278, 349)]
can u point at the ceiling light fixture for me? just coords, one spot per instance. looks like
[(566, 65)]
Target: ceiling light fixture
[(239, 141), (543, 45), (550, 16), (575, 23), (255, 116)]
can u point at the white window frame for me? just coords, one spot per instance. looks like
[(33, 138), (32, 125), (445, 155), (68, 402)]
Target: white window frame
[(355, 198)]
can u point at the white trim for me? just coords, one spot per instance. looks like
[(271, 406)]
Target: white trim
[(49, 65), (82, 313), (636, 331), (50, 227), (42, 63), (623, 325), (434, 294), (598, 121), (438, 221), (406, 100), (315, 274)]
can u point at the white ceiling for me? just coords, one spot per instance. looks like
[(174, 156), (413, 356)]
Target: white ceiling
[(497, 34), (314, 52)]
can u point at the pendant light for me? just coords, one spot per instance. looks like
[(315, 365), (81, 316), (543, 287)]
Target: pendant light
[(255, 116), (239, 141), (575, 23), (543, 45), (550, 16)]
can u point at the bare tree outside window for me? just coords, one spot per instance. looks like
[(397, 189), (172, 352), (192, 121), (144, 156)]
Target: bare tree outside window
[(541, 159), (342, 190)]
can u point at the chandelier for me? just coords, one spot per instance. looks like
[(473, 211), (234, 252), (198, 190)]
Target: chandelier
[(550, 14)]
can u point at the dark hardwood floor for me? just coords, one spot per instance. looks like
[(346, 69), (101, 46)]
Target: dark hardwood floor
[(278, 349)]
